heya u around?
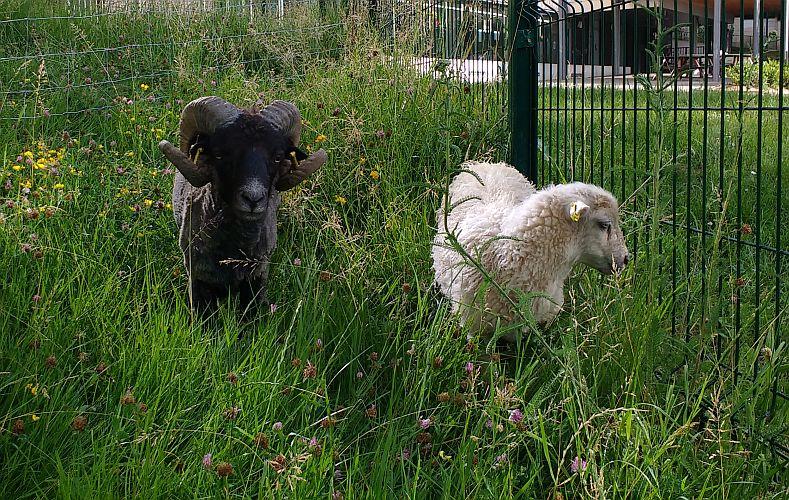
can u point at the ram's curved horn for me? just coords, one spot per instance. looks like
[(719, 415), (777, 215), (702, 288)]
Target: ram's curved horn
[(300, 171), (201, 116), (284, 117)]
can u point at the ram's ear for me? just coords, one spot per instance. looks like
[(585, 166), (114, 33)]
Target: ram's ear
[(577, 210)]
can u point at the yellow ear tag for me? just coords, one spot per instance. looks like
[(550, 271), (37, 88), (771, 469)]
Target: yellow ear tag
[(577, 209)]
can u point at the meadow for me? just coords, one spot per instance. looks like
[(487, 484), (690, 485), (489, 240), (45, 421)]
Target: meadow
[(357, 382)]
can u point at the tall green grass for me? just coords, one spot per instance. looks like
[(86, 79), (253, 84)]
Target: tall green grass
[(95, 322)]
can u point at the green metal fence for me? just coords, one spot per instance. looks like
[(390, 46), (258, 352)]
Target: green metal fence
[(641, 95)]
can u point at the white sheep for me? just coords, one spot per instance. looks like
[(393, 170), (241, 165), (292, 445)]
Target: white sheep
[(527, 240)]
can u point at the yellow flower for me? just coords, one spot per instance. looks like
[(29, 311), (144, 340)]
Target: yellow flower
[(169, 206), (375, 175), (58, 186), (340, 199), (32, 388), (28, 154), (148, 203), (144, 87), (362, 160), (129, 153), (34, 417), (17, 167), (154, 173), (320, 138)]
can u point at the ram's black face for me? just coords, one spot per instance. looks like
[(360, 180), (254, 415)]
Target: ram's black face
[(246, 157)]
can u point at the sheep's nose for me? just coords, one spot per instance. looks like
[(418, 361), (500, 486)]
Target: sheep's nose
[(626, 259), (253, 199)]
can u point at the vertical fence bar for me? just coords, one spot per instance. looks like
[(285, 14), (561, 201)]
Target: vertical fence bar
[(523, 86)]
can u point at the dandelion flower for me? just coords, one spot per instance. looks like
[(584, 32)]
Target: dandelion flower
[(374, 175), (340, 199), (144, 87), (320, 138), (34, 417), (58, 186)]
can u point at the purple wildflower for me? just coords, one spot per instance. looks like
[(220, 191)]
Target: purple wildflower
[(277, 426), (207, 462), (578, 464), (516, 415), (424, 423), (501, 459), (273, 308), (297, 261), (470, 368)]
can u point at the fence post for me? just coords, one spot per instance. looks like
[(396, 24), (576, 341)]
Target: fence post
[(523, 86)]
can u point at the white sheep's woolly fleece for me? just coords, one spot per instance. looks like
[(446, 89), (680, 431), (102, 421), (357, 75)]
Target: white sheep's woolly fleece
[(539, 247)]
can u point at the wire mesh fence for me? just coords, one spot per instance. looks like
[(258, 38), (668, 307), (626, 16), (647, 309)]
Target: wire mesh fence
[(678, 107)]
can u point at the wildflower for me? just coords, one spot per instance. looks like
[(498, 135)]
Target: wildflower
[(273, 308), (501, 459), (359, 375), (740, 282), (148, 203), (142, 407), (371, 411), (380, 134), (310, 371), (325, 276), (58, 186), (129, 154), (470, 368), (261, 441), (424, 423), (516, 415), (277, 426), (79, 423), (34, 417), (340, 199), (231, 413), (327, 422), (444, 456), (279, 463), (32, 213), (489, 424), (318, 344), (438, 361), (405, 454), (578, 464), (296, 362), (144, 87), (19, 427), (36, 298), (207, 462), (296, 261), (224, 469), (128, 398), (232, 378), (320, 138), (443, 397), (406, 287), (746, 229), (51, 361), (375, 175), (362, 160)]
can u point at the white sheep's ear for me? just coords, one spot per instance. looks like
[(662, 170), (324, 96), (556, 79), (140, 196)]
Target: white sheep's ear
[(577, 210)]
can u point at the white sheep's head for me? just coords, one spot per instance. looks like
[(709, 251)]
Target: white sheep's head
[(244, 154), (594, 213)]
